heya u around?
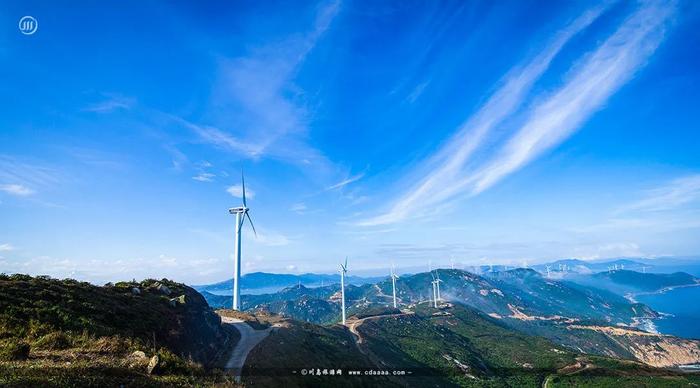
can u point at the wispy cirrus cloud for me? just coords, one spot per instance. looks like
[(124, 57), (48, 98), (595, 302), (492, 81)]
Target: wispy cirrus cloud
[(113, 103), (345, 182), (237, 191), (594, 80), (271, 119), (204, 177), (550, 119), (6, 247), (17, 190), (21, 179), (674, 194)]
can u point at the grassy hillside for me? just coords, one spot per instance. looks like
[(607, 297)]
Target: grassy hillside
[(451, 346), (75, 333)]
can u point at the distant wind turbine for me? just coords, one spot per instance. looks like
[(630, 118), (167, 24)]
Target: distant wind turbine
[(437, 284), (433, 283), (241, 213), (394, 276), (343, 271), (548, 273), (452, 262)]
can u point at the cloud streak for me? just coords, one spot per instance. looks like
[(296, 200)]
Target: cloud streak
[(679, 192), (237, 191), (270, 119), (453, 173), (16, 190), (346, 182), (600, 75)]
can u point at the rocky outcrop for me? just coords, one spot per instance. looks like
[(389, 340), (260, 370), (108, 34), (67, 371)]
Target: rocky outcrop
[(657, 350)]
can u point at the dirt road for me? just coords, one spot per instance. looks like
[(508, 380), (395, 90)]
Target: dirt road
[(249, 338)]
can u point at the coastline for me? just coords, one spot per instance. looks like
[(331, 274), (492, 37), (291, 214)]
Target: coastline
[(648, 323)]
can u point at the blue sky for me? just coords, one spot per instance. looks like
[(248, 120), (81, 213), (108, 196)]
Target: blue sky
[(485, 132)]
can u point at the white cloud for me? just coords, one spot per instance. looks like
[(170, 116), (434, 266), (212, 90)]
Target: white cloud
[(679, 192), (237, 191), (17, 190), (553, 118), (600, 75), (446, 166), (346, 182), (299, 208), (6, 247), (204, 177), (112, 104), (271, 238), (272, 118), (20, 178)]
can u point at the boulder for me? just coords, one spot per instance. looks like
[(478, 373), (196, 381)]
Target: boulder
[(179, 300), (153, 364), (138, 354), (163, 289), (136, 291)]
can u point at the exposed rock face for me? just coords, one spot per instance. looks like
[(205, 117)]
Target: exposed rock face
[(654, 349), (163, 289), (153, 364)]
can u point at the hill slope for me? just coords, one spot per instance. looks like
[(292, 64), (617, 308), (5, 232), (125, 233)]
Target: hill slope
[(83, 334)]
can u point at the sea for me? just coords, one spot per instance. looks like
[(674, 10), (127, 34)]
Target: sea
[(681, 308)]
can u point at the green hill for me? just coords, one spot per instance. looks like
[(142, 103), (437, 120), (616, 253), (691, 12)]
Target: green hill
[(79, 334)]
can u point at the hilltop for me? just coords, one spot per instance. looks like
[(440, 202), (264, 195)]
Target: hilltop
[(76, 333)]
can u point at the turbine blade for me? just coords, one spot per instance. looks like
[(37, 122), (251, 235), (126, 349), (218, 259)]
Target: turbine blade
[(251, 224), (346, 263), (243, 189)]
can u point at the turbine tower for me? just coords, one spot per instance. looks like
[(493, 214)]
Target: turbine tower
[(343, 271), (241, 213), (433, 283), (437, 284), (394, 276)]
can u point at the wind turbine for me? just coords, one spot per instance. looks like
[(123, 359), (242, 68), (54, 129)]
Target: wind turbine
[(343, 271), (644, 269), (437, 284), (241, 213), (547, 268), (452, 262), (433, 283), (394, 276)]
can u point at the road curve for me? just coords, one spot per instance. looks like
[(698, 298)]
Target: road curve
[(249, 338)]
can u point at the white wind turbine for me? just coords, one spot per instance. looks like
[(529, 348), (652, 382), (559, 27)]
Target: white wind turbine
[(394, 276), (547, 267), (437, 284), (343, 271), (241, 213), (433, 283)]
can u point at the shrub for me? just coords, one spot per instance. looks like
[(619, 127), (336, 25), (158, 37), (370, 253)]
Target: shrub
[(14, 350), (53, 341), (170, 363)]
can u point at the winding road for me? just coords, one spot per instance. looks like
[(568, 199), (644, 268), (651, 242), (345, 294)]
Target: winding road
[(249, 338), (354, 323)]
